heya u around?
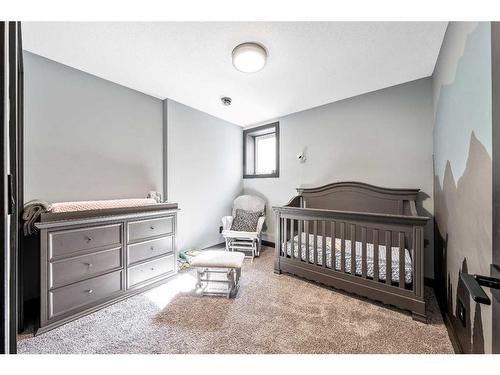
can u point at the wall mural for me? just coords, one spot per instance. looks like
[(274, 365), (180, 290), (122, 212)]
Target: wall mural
[(463, 176)]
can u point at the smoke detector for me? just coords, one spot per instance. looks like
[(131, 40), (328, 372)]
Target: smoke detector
[(226, 100)]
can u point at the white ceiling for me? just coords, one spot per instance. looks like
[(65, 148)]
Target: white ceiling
[(309, 63)]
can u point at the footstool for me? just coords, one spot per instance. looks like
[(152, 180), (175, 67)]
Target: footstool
[(219, 267)]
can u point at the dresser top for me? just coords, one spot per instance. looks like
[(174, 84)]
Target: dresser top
[(57, 219)]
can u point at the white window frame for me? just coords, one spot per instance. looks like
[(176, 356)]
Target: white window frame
[(250, 149)]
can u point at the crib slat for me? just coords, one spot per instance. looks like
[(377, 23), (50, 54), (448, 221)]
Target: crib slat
[(363, 252), (315, 247), (280, 237), (388, 257), (342, 247), (285, 238), (353, 249), (299, 233), (418, 258), (323, 249), (292, 240), (306, 224), (332, 245), (401, 260), (375, 255)]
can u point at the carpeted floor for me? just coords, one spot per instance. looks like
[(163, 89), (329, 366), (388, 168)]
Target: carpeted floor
[(271, 314)]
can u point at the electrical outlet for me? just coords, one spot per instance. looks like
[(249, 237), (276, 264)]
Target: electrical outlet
[(462, 314)]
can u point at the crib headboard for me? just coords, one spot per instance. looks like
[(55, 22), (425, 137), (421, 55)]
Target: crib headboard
[(359, 197)]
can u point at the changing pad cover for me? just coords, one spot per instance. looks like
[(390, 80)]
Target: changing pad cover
[(101, 204)]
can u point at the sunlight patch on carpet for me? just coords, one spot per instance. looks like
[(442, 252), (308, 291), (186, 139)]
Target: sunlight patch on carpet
[(165, 293)]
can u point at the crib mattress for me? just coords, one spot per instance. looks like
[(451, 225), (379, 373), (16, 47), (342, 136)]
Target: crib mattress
[(369, 256)]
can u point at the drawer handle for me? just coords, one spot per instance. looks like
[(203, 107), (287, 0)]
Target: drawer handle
[(88, 239), (152, 269), (90, 291), (89, 265), (152, 248), (151, 227)]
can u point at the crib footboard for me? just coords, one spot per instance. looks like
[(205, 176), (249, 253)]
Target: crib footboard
[(377, 256)]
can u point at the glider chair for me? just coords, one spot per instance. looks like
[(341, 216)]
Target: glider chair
[(242, 230)]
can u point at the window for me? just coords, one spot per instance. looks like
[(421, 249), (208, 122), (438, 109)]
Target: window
[(261, 151)]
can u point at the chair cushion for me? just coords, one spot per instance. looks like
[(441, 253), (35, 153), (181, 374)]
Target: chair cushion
[(240, 235), (245, 221), (218, 259)]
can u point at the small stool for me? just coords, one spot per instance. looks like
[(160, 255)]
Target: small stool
[(211, 263)]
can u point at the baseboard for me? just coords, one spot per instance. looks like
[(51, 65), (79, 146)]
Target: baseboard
[(447, 321), (267, 243), (452, 334)]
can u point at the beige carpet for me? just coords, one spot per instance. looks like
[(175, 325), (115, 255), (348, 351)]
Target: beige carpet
[(271, 314)]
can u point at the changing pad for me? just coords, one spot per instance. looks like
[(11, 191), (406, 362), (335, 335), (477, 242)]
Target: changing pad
[(98, 205)]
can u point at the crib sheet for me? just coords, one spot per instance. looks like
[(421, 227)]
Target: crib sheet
[(369, 256)]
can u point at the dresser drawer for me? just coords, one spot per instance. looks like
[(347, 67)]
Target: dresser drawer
[(69, 270), (84, 293), (138, 230), (70, 241), (150, 270), (150, 249)]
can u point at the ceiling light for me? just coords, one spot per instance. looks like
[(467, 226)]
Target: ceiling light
[(249, 57)]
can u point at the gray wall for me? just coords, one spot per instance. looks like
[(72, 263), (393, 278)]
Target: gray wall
[(204, 172), (88, 138), (463, 172), (382, 138)]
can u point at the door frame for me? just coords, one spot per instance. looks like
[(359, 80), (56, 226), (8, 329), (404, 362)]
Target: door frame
[(495, 256), (15, 209), (11, 113), (4, 258)]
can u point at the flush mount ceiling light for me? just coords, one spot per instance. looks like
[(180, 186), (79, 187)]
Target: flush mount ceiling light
[(249, 57)]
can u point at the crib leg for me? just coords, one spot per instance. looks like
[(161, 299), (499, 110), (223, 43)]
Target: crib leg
[(277, 269)]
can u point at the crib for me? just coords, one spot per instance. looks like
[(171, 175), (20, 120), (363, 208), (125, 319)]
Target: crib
[(356, 237)]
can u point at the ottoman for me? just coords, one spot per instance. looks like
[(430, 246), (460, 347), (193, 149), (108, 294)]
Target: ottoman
[(218, 267)]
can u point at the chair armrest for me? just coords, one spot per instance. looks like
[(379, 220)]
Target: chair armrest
[(227, 221), (260, 223)]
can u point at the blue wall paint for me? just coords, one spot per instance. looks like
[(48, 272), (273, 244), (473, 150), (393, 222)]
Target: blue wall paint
[(464, 105), (463, 134)]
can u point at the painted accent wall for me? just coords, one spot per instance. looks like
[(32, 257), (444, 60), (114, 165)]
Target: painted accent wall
[(205, 169), (382, 138), (463, 175), (87, 138)]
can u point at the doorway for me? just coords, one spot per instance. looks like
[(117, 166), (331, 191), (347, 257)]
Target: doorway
[(11, 82)]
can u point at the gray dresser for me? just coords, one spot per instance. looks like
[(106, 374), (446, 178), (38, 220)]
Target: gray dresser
[(91, 259)]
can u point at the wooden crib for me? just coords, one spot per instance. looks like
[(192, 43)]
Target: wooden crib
[(360, 238)]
